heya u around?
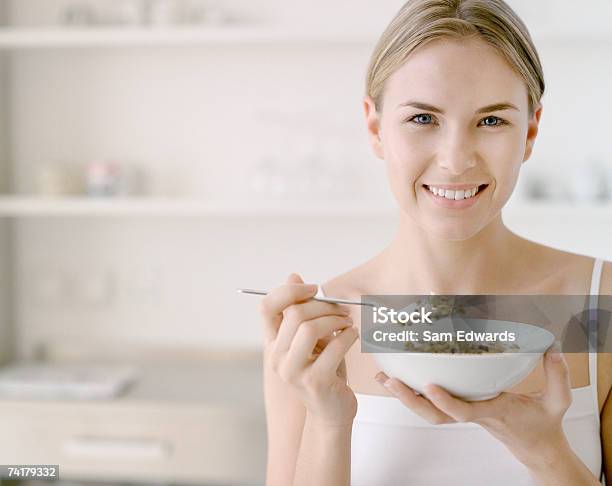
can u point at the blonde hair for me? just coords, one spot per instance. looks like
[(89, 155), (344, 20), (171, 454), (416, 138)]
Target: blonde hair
[(421, 21)]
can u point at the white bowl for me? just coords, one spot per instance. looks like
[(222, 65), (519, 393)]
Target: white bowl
[(471, 377)]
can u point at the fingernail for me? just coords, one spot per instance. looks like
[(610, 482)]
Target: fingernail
[(380, 377), (389, 385), (555, 357)]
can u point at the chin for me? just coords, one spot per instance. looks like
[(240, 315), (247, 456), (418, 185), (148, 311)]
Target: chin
[(449, 229)]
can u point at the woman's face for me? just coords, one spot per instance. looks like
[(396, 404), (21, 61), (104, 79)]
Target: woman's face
[(454, 117)]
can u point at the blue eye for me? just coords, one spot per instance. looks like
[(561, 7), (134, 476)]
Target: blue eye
[(424, 119), (495, 121)]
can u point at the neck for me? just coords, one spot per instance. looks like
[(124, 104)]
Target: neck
[(419, 262)]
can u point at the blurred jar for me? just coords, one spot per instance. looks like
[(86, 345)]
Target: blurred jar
[(78, 14), (587, 181), (59, 179), (102, 178), (162, 12), (533, 186), (121, 12)]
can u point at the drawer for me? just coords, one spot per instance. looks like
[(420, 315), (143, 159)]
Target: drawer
[(188, 443)]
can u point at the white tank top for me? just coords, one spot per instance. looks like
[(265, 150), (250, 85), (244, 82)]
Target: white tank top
[(391, 445)]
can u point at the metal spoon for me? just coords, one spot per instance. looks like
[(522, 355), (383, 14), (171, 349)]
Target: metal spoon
[(321, 299)]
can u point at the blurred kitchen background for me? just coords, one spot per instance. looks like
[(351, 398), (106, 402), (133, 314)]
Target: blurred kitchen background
[(157, 154)]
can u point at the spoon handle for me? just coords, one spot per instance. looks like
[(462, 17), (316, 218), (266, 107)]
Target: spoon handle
[(321, 299)]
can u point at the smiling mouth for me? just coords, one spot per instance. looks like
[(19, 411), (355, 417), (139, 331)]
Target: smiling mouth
[(455, 194)]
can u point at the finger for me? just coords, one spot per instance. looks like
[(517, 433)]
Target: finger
[(295, 278), (307, 336), (458, 409), (557, 392), (297, 314), (271, 307), (330, 358), (418, 404)]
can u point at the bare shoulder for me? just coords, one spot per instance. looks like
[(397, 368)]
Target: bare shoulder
[(559, 271), (350, 284)]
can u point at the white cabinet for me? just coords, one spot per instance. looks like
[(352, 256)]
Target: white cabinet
[(166, 429)]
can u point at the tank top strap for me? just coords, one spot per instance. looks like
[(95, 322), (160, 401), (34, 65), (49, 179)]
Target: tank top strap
[(592, 329)]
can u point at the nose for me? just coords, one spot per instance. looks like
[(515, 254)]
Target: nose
[(457, 153)]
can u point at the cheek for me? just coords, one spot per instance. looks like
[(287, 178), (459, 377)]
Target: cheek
[(407, 154), (503, 155), (507, 145)]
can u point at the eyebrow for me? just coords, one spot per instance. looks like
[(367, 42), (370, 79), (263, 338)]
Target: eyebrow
[(504, 105)]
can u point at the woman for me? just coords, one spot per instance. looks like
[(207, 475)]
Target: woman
[(452, 107)]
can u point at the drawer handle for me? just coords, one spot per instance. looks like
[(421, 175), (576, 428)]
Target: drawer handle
[(116, 447)]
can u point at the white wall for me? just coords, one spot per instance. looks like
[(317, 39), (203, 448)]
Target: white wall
[(173, 282), (201, 119)]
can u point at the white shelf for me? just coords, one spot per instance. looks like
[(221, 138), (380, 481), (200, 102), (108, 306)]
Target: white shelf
[(58, 37), (86, 37), (25, 206), (20, 206)]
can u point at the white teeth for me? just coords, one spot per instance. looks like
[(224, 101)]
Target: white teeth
[(454, 195)]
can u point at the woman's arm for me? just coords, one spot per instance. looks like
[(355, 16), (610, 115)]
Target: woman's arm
[(605, 383), (325, 454), (299, 446), (285, 415), (606, 436), (559, 466), (565, 462), (309, 406)]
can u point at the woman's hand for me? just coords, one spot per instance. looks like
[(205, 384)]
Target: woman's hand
[(530, 425), (302, 349)]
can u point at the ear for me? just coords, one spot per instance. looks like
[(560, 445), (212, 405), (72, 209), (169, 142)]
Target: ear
[(532, 131), (373, 124)]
